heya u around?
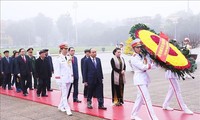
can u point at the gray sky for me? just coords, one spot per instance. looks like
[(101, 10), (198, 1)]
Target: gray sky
[(99, 11)]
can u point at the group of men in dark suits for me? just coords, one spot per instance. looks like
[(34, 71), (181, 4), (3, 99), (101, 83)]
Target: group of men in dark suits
[(25, 67), (22, 68)]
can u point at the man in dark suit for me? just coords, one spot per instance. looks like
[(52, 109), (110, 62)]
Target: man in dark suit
[(75, 74), (16, 79), (87, 55), (24, 70), (6, 63), (43, 72), (49, 58), (93, 77), (1, 76), (32, 60)]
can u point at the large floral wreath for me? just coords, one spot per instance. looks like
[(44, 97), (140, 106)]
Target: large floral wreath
[(175, 61)]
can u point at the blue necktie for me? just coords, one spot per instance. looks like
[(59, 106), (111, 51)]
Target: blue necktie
[(7, 59), (94, 63)]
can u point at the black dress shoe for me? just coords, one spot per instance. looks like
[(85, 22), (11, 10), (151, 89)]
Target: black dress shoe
[(78, 101), (44, 95), (89, 106), (102, 108), (10, 89), (25, 94)]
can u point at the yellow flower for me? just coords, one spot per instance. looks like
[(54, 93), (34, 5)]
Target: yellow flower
[(128, 49)]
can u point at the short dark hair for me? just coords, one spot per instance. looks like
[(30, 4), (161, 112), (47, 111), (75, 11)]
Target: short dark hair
[(70, 48), (21, 49), (115, 50), (6, 51), (41, 51), (86, 50)]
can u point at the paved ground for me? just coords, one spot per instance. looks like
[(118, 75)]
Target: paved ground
[(158, 87), (17, 109)]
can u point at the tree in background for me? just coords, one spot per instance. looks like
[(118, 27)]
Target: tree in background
[(43, 28), (65, 27)]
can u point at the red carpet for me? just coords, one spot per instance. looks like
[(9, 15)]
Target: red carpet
[(113, 112)]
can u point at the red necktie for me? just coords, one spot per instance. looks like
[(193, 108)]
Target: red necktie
[(24, 59)]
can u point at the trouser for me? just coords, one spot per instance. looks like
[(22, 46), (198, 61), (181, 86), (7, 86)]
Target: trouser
[(64, 87), (42, 86), (1, 79), (30, 82), (35, 81), (75, 87), (48, 83), (98, 88), (85, 91), (16, 80), (25, 82), (143, 97), (174, 87), (7, 80)]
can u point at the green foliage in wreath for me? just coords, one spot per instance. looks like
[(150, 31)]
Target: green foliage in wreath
[(139, 26)]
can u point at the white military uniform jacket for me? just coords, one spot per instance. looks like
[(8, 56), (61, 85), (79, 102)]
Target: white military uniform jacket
[(139, 67), (63, 69)]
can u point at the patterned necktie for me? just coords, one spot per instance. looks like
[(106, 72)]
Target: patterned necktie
[(65, 58), (94, 63)]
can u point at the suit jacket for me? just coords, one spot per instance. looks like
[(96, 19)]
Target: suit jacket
[(5, 65), (13, 66), (91, 73), (82, 64), (42, 68), (75, 68), (32, 60), (49, 58), (0, 66), (23, 68)]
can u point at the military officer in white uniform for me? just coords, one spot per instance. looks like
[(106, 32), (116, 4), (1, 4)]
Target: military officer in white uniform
[(140, 64), (174, 87), (64, 77)]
